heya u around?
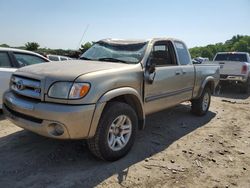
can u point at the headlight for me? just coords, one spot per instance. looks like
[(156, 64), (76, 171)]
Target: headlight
[(68, 90)]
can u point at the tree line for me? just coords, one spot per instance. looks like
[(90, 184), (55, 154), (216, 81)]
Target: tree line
[(35, 47), (236, 43)]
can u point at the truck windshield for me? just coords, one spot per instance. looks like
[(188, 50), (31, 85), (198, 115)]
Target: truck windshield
[(231, 57), (121, 53)]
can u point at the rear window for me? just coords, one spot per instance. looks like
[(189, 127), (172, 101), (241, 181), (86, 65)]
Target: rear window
[(231, 57)]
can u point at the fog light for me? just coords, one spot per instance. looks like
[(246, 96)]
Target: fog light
[(55, 129)]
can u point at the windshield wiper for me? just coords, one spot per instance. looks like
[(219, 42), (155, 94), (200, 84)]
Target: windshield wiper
[(112, 60)]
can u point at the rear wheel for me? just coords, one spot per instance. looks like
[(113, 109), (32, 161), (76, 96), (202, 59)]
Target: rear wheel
[(201, 105), (115, 133), (245, 87)]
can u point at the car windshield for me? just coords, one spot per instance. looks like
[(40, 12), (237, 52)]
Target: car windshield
[(231, 57), (121, 53)]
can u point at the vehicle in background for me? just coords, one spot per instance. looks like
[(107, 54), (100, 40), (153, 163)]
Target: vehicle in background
[(106, 96), (58, 58), (10, 60), (234, 69), (199, 60)]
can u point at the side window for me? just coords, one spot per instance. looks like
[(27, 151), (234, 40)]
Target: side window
[(182, 52), (28, 59), (163, 54), (63, 58), (4, 60), (53, 58)]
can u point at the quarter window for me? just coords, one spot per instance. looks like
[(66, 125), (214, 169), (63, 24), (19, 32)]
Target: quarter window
[(183, 53), (27, 59), (53, 58), (4, 60)]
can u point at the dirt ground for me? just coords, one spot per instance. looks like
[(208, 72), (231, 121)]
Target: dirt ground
[(176, 149)]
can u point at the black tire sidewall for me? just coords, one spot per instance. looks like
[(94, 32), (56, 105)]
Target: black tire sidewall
[(206, 90), (197, 104), (111, 113)]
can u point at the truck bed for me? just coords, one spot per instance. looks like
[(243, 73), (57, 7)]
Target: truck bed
[(202, 72)]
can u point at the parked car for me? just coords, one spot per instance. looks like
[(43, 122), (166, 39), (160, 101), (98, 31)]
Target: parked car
[(58, 58), (199, 60), (234, 69), (10, 60), (106, 97)]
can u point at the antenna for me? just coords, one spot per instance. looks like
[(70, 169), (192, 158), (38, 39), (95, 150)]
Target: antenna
[(86, 29)]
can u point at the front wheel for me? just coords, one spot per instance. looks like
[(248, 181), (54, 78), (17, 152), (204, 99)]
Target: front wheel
[(115, 133), (201, 105)]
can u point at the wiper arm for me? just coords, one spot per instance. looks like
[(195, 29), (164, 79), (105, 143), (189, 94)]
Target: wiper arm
[(111, 59)]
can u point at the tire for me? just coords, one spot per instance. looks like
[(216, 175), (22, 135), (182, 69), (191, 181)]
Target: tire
[(198, 105), (108, 137), (245, 87)]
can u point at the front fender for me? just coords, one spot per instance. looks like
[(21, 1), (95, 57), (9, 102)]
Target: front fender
[(119, 92), (101, 103)]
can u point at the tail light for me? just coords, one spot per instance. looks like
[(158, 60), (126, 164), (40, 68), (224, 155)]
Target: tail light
[(244, 69)]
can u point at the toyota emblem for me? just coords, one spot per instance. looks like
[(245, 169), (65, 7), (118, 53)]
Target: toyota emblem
[(19, 85)]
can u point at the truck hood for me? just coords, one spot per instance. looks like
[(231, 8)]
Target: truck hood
[(67, 70)]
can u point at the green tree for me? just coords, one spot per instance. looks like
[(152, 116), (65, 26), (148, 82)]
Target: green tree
[(86, 46), (236, 43), (32, 46), (4, 45)]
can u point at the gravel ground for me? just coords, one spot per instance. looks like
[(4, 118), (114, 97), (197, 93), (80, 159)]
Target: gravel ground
[(176, 149)]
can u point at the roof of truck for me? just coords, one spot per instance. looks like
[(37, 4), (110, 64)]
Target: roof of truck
[(123, 41), (133, 41)]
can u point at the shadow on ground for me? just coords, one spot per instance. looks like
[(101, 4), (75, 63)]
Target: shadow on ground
[(1, 115), (231, 92), (29, 160)]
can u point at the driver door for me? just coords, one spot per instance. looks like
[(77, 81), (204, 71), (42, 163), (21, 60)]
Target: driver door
[(167, 80)]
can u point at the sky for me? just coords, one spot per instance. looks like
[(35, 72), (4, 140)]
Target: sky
[(61, 23)]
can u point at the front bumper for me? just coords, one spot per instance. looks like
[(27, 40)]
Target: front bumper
[(40, 117)]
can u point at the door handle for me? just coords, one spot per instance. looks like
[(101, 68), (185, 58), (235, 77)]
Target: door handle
[(184, 72), (177, 72)]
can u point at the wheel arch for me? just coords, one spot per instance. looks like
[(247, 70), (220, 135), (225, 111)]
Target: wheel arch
[(208, 82), (127, 95)]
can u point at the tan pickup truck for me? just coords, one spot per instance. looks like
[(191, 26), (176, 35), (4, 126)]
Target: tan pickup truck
[(105, 96)]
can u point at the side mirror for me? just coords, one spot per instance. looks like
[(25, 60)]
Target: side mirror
[(151, 63), (151, 68), (150, 72)]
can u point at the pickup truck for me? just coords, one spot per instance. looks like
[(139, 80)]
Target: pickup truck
[(234, 69), (106, 96)]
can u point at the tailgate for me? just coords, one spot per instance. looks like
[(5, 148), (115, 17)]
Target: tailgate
[(230, 67)]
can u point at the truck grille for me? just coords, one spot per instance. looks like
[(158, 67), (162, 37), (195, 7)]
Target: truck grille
[(26, 86)]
